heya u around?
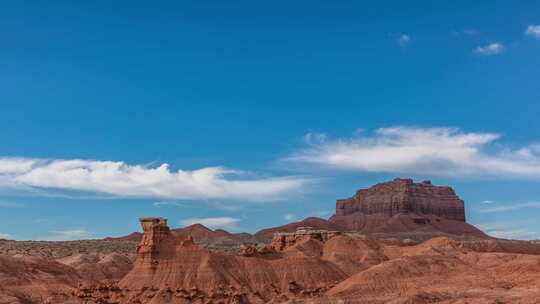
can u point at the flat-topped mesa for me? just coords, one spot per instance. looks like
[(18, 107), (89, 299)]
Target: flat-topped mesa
[(402, 196)]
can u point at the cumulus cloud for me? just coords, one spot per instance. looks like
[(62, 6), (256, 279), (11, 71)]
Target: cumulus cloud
[(490, 49), (5, 236), (404, 40), (533, 31), (510, 207), (120, 179), (228, 223), (67, 235), (430, 151)]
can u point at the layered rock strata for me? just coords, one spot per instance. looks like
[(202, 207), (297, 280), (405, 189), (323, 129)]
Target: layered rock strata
[(403, 206), (172, 269), (283, 240), (404, 196)]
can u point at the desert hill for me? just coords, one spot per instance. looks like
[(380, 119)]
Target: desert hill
[(218, 239), (321, 266), (396, 242)]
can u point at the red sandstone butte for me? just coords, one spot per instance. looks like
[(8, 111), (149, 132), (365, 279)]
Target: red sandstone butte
[(402, 205)]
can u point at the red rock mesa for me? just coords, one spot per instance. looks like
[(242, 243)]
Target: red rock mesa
[(401, 206)]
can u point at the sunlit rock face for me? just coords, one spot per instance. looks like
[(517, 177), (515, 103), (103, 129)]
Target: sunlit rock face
[(401, 206), (404, 196), (170, 268)]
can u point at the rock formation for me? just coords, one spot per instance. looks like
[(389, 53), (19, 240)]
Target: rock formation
[(402, 196), (360, 255), (202, 235), (283, 240), (304, 266), (403, 206), (265, 235), (172, 267)]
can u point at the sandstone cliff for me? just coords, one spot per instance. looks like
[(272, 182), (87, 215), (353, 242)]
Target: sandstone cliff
[(404, 196), (403, 206)]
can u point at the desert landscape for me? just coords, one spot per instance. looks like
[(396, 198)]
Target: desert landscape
[(269, 152), (396, 242)]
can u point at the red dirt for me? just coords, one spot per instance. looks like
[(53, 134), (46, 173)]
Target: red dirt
[(382, 262)]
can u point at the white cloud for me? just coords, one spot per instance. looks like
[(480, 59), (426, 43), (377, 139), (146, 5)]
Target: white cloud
[(488, 202), (533, 31), (404, 40), (5, 236), (490, 49), (289, 217), (510, 207), (67, 235), (229, 223), (14, 165), (124, 180), (430, 151)]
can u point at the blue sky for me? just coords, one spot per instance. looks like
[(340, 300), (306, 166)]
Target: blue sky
[(245, 115)]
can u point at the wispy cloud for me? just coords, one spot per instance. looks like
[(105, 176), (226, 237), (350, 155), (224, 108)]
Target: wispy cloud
[(432, 151), (510, 207), (321, 213), (470, 32), (67, 235), (490, 49), (124, 180), (167, 203), (509, 230), (289, 217), (4, 204), (404, 40), (533, 31), (5, 236), (465, 32), (228, 223), (15, 165), (488, 202)]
